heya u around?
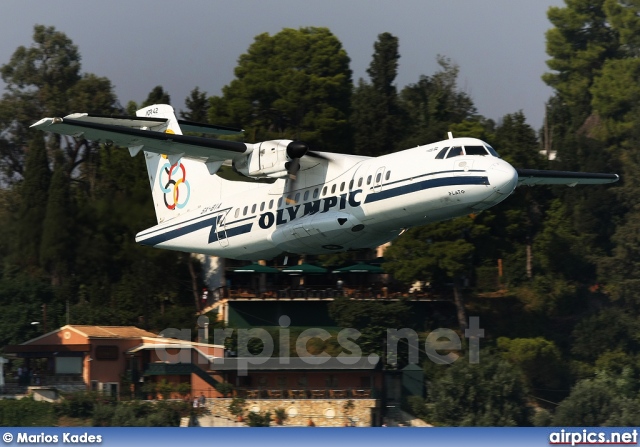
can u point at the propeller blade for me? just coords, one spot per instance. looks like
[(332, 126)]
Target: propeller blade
[(293, 168)]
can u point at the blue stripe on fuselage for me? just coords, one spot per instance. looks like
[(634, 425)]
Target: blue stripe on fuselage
[(425, 184)]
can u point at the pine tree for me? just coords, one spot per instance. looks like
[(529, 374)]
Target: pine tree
[(34, 192)]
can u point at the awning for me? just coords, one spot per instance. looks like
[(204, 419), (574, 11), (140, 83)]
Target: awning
[(304, 269), (360, 267), (256, 268)]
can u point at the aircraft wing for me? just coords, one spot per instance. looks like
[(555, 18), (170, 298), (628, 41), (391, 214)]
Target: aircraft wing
[(530, 177), (148, 133)]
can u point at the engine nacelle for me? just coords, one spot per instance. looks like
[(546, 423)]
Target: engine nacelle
[(267, 159)]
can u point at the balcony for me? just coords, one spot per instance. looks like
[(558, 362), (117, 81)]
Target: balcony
[(306, 393)]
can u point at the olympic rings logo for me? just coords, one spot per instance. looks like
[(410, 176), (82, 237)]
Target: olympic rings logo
[(174, 185)]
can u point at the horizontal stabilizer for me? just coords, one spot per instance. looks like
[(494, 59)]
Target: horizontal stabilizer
[(532, 177), (147, 132)]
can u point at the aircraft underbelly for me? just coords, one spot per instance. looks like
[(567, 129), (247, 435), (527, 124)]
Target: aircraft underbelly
[(318, 233)]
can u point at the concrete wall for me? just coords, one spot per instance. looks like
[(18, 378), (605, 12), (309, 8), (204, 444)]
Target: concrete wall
[(322, 412)]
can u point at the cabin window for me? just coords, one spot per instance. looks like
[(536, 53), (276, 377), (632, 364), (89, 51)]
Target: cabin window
[(341, 186), (315, 193), (441, 153), (279, 202), (306, 195), (324, 191), (492, 151), (368, 180), (297, 199), (475, 150), (359, 182), (246, 209), (351, 185), (378, 177), (270, 203), (455, 151), (262, 207), (253, 208), (333, 189), (237, 212), (388, 175)]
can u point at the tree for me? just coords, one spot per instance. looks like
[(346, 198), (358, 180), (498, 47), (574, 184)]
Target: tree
[(34, 192), (45, 80), (579, 44), (376, 116), (489, 393), (370, 318), (434, 103), (440, 253), (197, 106), (539, 359), (56, 251), (295, 84), (156, 96)]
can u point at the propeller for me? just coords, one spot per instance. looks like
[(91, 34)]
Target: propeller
[(295, 151)]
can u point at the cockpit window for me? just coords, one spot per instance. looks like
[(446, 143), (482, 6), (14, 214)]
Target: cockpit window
[(492, 151), (442, 152), (475, 150), (455, 151)]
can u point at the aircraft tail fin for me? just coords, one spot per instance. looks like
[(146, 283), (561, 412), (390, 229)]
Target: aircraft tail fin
[(171, 177)]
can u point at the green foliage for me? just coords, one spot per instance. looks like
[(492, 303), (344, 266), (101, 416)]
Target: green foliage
[(598, 401), (376, 115), (82, 404), (281, 415), (255, 419), (237, 406), (539, 359), (371, 318), (490, 393), (26, 413), (225, 388), (295, 84), (197, 106)]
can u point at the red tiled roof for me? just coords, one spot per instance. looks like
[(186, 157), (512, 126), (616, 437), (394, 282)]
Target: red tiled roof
[(111, 331)]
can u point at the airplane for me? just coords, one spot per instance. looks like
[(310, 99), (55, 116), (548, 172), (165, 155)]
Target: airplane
[(257, 201)]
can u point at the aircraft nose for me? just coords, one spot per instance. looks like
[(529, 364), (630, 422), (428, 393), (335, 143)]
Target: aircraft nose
[(503, 177)]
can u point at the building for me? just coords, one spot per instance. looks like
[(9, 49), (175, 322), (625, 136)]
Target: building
[(128, 361)]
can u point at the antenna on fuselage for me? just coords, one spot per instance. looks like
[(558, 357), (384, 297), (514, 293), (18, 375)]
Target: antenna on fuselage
[(450, 135)]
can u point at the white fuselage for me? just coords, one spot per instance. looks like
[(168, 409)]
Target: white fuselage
[(347, 203)]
